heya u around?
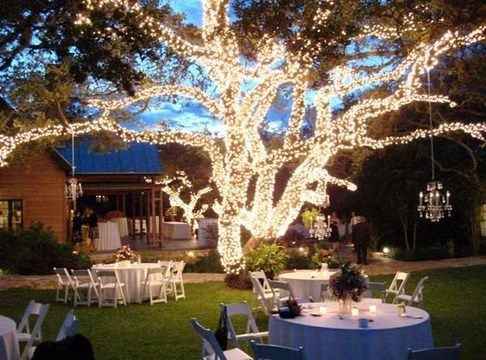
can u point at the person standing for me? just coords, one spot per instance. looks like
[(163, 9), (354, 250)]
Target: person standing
[(361, 239)]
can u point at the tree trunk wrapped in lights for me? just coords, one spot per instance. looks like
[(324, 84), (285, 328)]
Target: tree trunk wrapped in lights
[(242, 158)]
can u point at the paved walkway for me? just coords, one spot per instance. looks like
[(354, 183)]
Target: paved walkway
[(378, 266)]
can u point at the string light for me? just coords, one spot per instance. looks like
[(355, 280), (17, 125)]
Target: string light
[(174, 186), (241, 159)]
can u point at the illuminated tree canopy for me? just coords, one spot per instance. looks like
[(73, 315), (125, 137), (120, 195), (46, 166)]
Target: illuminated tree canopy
[(240, 158)]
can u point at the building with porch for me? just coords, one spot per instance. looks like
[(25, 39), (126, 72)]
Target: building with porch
[(113, 182)]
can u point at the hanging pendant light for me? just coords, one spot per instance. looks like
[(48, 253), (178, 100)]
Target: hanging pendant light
[(73, 189), (434, 202), (321, 226)]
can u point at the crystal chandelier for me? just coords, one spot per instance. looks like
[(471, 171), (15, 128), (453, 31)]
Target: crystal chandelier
[(321, 227), (434, 205), (73, 189)]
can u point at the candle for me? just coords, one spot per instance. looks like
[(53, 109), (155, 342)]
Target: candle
[(354, 312), (373, 309), (323, 310)]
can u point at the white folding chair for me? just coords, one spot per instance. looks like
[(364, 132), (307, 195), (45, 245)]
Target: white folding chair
[(109, 283), (397, 285), (33, 309), (211, 349), (156, 277), (251, 333), (83, 282), (176, 279), (64, 283), (282, 292), (23, 332), (69, 327), (417, 298), (266, 297)]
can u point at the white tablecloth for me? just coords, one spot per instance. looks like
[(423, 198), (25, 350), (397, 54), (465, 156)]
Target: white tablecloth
[(207, 230), (173, 230), (330, 338), (122, 226), (9, 346), (132, 275), (305, 283), (109, 236)]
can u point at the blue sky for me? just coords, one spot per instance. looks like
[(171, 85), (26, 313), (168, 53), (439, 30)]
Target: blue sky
[(190, 116)]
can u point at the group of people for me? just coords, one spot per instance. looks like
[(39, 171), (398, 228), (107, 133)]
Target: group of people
[(85, 227), (356, 229)]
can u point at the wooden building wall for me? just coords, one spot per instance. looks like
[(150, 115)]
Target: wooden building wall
[(39, 182)]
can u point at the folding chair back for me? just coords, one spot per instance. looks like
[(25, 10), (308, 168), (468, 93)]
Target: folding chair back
[(32, 309), (64, 283), (262, 279), (397, 286), (418, 294), (36, 335), (441, 353), (275, 352), (266, 299), (251, 331), (209, 341), (69, 327), (109, 279), (282, 291)]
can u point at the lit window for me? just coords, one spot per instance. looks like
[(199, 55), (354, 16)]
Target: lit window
[(11, 214)]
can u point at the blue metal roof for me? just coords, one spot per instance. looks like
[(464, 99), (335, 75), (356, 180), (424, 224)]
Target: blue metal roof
[(135, 158)]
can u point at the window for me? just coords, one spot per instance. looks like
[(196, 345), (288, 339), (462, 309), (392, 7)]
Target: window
[(11, 214)]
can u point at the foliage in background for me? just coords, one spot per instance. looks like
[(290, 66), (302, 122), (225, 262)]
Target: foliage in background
[(35, 251), (309, 217), (269, 258)]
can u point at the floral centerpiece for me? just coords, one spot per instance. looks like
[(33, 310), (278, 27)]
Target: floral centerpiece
[(124, 254), (323, 256), (348, 286)]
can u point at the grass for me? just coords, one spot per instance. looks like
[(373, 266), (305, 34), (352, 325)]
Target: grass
[(454, 298)]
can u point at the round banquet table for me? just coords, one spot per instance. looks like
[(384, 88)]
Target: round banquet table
[(328, 337), (109, 236), (132, 275), (307, 283), (9, 346)]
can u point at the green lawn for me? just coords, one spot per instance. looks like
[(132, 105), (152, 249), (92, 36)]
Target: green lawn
[(454, 297)]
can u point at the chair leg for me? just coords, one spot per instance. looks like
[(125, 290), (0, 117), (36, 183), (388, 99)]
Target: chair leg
[(123, 296), (66, 294), (100, 298)]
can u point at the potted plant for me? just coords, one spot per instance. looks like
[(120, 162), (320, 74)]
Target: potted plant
[(348, 286)]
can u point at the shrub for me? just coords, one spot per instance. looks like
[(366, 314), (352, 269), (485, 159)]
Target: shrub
[(206, 264), (36, 251), (238, 281), (270, 258), (299, 261)]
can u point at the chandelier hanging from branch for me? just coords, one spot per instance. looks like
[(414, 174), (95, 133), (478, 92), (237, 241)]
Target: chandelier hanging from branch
[(73, 189), (434, 202), (321, 226)]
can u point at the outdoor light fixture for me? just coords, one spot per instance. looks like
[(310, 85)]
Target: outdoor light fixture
[(321, 227), (73, 189), (386, 251), (434, 205)]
